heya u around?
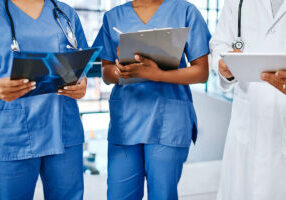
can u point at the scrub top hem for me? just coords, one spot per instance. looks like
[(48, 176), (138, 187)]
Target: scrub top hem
[(30, 156), (33, 156)]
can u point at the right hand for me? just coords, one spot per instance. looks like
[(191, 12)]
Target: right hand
[(223, 69), (14, 89)]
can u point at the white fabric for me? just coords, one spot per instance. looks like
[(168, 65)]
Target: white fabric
[(276, 4), (254, 165)]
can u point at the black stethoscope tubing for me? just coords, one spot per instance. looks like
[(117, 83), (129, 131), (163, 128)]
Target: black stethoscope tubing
[(239, 18), (238, 43)]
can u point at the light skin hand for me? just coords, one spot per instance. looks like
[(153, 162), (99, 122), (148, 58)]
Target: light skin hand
[(11, 90), (276, 79), (77, 91), (223, 69)]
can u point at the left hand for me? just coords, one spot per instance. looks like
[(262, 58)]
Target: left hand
[(144, 68), (75, 91), (278, 79)]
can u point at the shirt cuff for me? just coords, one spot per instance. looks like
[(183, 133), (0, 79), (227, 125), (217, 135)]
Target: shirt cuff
[(225, 84)]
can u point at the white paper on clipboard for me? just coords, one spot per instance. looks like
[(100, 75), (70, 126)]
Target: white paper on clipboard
[(164, 46), (247, 67)]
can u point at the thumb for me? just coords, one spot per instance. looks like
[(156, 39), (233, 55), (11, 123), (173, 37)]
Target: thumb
[(142, 59)]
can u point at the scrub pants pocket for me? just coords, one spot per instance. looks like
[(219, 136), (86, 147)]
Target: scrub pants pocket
[(15, 140)]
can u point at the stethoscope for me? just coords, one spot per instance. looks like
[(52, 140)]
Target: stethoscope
[(238, 43), (70, 34)]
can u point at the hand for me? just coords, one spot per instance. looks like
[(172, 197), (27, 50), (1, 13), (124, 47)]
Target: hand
[(144, 68), (14, 89), (223, 69), (75, 91), (278, 80)]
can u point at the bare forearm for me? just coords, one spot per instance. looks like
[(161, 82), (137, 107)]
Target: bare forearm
[(110, 74), (184, 76)]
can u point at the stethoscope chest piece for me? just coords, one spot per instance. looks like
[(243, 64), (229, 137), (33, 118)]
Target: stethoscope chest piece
[(238, 44)]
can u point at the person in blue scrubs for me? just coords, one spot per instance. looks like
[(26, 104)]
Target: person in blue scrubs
[(39, 135), (152, 123)]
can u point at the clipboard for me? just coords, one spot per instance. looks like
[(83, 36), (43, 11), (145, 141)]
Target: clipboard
[(53, 71), (164, 46), (247, 67)]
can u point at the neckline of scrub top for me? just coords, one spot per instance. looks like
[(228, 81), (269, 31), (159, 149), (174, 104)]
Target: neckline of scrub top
[(153, 16), (23, 12)]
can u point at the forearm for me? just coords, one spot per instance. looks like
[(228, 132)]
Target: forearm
[(184, 76), (110, 74)]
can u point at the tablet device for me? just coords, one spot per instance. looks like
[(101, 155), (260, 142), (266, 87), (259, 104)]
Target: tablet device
[(247, 67)]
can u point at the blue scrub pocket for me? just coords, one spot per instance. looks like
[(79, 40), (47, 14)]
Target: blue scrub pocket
[(73, 129), (14, 137), (180, 124)]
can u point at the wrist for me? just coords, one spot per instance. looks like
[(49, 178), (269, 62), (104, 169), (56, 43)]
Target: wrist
[(159, 76)]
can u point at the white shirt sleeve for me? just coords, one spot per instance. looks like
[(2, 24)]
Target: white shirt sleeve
[(223, 38)]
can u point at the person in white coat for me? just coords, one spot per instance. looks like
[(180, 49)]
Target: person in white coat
[(254, 164)]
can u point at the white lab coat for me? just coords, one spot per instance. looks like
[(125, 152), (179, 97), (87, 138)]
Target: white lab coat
[(254, 165)]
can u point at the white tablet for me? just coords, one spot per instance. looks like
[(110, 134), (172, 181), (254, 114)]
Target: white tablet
[(247, 67)]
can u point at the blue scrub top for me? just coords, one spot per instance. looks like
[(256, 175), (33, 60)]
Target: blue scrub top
[(40, 125), (154, 112)]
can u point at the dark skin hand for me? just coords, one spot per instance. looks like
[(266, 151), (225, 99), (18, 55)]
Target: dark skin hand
[(276, 79), (148, 69)]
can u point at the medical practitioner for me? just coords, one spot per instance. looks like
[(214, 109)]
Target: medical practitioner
[(152, 123), (39, 135), (255, 153)]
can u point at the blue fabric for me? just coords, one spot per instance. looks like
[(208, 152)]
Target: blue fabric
[(45, 124), (128, 166), (62, 176), (153, 112)]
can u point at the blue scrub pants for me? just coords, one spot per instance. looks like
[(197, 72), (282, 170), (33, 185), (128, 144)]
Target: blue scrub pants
[(62, 176), (129, 165)]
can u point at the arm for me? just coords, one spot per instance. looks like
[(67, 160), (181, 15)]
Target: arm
[(222, 42), (197, 73), (110, 72), (148, 69)]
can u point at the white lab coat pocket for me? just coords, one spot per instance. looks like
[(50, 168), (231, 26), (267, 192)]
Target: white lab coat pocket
[(240, 121)]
